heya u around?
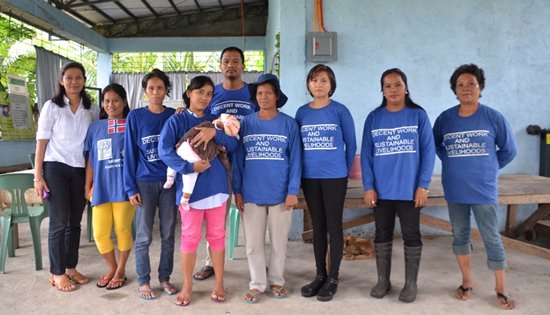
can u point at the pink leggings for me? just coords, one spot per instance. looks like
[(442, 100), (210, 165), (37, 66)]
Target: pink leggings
[(191, 228)]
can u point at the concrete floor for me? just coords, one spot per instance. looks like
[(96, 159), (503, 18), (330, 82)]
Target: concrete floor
[(26, 291)]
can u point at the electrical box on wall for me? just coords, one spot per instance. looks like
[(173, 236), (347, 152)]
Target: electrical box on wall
[(321, 46)]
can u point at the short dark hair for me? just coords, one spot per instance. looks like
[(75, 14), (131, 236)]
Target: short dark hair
[(58, 98), (195, 84), (471, 69), (320, 68), (118, 89), (232, 48), (156, 73), (408, 101)]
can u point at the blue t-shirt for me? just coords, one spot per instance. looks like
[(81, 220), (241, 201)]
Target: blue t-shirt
[(141, 159), (472, 149), (234, 102), (398, 153), (104, 146), (214, 179), (328, 140), (267, 162)]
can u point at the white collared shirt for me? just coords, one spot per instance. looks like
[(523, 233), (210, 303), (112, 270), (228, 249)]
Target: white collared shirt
[(65, 131)]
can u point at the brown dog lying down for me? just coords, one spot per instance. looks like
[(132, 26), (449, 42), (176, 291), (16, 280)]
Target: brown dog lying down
[(357, 248)]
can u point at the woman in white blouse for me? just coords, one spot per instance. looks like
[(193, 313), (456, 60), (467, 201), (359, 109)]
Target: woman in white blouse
[(60, 171)]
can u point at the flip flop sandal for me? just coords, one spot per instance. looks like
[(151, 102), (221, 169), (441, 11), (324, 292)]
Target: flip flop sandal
[(463, 293), (65, 285), (79, 278), (169, 289), (205, 273), (183, 302), (116, 283), (251, 296), (279, 292), (217, 297), (104, 281), (506, 301), (148, 291)]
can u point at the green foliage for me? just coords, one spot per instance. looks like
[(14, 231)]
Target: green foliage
[(13, 32)]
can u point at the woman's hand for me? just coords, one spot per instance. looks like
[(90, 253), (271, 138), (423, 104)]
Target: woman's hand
[(39, 185), (203, 137), (370, 198), (135, 200), (179, 110), (239, 202), (201, 166), (291, 201), (420, 197)]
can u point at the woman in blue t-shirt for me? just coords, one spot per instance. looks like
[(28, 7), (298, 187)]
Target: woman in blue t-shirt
[(328, 139), (144, 175), (397, 160), (104, 147), (266, 181)]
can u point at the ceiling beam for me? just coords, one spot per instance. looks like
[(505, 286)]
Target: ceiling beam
[(101, 12), (174, 7), (215, 23), (150, 8), (123, 8)]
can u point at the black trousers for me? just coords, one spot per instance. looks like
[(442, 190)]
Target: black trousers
[(409, 217), (65, 206), (325, 200)]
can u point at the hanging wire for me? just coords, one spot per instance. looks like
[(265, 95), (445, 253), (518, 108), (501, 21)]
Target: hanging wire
[(242, 24)]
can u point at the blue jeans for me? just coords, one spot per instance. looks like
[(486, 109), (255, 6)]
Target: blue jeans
[(153, 195), (487, 221)]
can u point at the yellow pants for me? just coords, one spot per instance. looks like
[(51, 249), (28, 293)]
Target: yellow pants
[(103, 217)]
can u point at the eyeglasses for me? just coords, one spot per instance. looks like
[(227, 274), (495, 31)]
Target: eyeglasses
[(471, 85)]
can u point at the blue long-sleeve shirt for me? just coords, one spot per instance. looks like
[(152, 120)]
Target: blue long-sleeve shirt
[(472, 150), (214, 179), (267, 162), (398, 153), (141, 159), (328, 140)]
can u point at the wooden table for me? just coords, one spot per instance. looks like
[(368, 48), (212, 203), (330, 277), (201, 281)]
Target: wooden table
[(514, 189)]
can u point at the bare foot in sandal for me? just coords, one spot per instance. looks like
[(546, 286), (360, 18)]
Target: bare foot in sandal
[(145, 292), (251, 296), (506, 301), (62, 283), (463, 293), (183, 299), (76, 276), (217, 296)]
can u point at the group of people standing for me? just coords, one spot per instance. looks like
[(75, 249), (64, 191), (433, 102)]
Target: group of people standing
[(117, 159)]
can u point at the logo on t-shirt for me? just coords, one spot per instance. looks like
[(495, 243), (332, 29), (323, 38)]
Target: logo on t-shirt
[(466, 143), (116, 126), (104, 149), (398, 140), (264, 147), (319, 137)]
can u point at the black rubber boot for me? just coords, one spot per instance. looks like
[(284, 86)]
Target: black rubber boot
[(383, 268), (412, 262), (328, 290), (312, 288)]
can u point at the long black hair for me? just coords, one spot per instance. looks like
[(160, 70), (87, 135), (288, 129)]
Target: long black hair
[(118, 89), (195, 84), (58, 98), (408, 101)]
